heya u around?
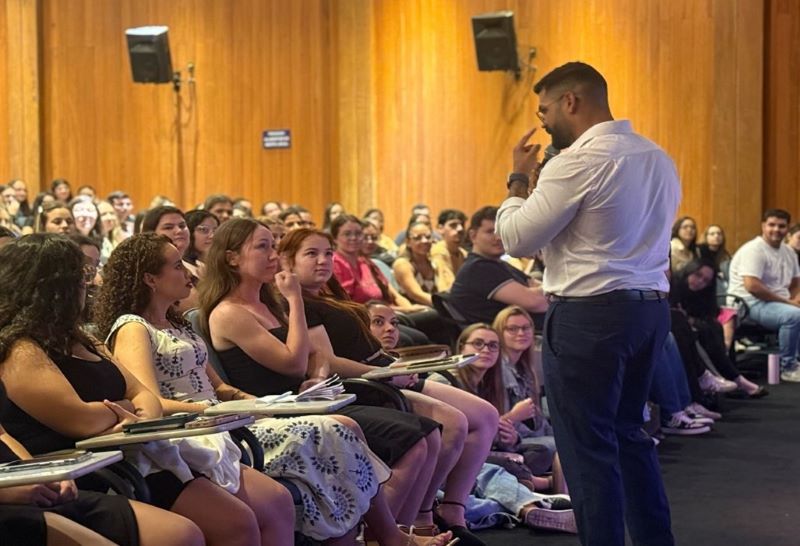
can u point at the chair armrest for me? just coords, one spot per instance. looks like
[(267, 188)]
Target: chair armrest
[(252, 450), (124, 479), (375, 393)]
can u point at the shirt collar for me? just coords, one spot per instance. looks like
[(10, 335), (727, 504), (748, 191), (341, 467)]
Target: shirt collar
[(622, 126)]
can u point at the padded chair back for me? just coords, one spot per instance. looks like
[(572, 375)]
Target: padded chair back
[(193, 316), (447, 310)]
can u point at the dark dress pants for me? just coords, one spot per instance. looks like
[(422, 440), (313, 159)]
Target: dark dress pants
[(598, 365)]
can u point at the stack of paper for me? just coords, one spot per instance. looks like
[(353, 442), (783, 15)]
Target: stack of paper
[(325, 390)]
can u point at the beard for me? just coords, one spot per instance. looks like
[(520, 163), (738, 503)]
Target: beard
[(561, 137)]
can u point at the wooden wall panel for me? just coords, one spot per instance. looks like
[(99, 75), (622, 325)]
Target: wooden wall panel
[(259, 65), (386, 104), (5, 171), (782, 108), (444, 130)]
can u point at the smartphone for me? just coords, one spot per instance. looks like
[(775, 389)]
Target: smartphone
[(46, 461), (170, 422), (213, 421)]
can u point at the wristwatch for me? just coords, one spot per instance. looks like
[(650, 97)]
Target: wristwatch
[(517, 177)]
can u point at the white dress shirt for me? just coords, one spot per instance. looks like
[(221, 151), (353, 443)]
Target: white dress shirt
[(601, 212)]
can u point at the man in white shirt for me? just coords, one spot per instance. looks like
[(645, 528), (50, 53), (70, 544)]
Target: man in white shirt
[(601, 212), (764, 272)]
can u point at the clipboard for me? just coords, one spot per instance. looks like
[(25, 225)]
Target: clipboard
[(422, 366)]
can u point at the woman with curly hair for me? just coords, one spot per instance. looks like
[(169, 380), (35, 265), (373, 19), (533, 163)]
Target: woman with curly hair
[(80, 392), (143, 279)]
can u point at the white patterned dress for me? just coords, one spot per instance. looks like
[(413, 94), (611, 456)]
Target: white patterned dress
[(336, 473)]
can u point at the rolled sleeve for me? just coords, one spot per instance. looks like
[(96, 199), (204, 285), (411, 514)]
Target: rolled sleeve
[(527, 225)]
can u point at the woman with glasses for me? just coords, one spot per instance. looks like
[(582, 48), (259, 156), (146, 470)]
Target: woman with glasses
[(520, 407), (202, 226), (415, 272)]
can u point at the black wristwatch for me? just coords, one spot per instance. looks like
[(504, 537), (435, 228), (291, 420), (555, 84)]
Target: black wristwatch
[(518, 177)]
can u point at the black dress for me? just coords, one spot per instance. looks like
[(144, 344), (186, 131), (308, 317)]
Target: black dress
[(389, 433), (93, 381), (108, 515)]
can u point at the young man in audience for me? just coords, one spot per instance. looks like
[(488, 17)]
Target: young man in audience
[(447, 255), (296, 217), (765, 274), (123, 206), (485, 284)]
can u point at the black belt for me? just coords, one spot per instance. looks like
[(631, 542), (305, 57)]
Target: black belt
[(613, 297)]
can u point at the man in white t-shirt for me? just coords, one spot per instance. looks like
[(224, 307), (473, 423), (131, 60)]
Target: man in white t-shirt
[(765, 274)]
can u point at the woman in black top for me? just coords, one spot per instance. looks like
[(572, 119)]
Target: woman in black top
[(79, 392), (469, 423), (693, 292), (264, 352)]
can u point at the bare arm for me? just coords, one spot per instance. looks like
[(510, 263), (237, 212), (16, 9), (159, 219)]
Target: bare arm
[(404, 273), (794, 290), (224, 391), (530, 298), (51, 399), (134, 350), (234, 325), (760, 291)]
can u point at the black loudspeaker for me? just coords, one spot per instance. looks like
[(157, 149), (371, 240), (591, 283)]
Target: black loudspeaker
[(495, 41), (148, 48)]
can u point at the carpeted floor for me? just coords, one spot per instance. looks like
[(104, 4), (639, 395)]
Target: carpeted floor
[(736, 486)]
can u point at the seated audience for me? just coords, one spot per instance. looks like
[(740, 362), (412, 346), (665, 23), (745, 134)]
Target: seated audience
[(712, 249), (202, 226), (61, 189), (485, 284), (219, 205), (414, 271), (379, 256), (385, 242), (448, 255), (24, 212), (683, 245), (81, 392), (419, 213), (467, 423), (332, 210), (296, 217), (271, 209), (383, 325), (765, 273), (54, 217), (87, 191), (87, 217), (242, 208), (265, 352), (147, 332), (693, 290), (123, 206)]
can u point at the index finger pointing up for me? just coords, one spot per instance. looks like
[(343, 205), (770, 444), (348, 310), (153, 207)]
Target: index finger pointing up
[(525, 138)]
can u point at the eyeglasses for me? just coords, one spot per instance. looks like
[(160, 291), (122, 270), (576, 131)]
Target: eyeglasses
[(370, 238), (479, 344), (519, 329), (542, 111)]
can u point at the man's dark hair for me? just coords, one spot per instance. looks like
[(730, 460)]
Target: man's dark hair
[(114, 195), (776, 213), (216, 199), (451, 214), (418, 206), (483, 213), (570, 75), (6, 232)]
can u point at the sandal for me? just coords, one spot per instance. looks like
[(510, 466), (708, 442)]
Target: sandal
[(464, 536)]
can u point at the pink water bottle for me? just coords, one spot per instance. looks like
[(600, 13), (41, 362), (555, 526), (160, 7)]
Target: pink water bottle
[(773, 369)]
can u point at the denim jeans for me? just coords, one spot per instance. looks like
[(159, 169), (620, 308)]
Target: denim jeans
[(598, 365), (784, 318), (670, 388), (494, 482)]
